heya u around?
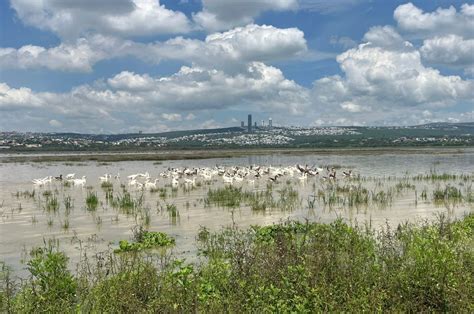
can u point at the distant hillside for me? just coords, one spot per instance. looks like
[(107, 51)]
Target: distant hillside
[(170, 134), (422, 129), (432, 134)]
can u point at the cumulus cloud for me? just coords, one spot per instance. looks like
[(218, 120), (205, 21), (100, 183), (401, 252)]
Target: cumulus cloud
[(387, 37), (385, 81), (119, 104), (442, 21), (18, 98), (77, 56), (172, 116), (448, 33), (395, 78), (130, 81), (224, 14), (450, 50), (407, 116), (352, 107), (194, 88), (229, 49), (71, 19), (55, 123)]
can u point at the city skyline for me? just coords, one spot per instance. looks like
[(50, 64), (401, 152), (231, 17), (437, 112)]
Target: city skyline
[(154, 66)]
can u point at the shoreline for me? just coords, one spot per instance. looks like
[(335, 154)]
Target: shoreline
[(163, 155)]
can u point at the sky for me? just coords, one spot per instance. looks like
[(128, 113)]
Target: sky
[(119, 66)]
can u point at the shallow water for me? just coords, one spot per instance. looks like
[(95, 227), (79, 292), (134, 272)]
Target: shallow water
[(24, 222)]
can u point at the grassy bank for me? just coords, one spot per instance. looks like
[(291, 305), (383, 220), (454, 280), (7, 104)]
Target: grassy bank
[(289, 267), (190, 154)]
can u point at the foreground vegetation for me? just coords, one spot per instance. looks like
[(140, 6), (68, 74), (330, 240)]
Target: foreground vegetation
[(289, 267)]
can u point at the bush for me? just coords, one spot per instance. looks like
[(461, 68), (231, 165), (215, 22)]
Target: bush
[(51, 287)]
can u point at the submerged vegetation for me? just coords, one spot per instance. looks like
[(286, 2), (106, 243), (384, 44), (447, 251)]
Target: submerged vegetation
[(287, 267)]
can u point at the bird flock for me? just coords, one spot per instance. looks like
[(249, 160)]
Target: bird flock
[(226, 174)]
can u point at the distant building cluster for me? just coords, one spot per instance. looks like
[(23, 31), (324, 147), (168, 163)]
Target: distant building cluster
[(252, 128)]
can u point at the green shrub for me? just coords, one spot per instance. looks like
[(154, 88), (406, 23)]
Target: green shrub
[(51, 287)]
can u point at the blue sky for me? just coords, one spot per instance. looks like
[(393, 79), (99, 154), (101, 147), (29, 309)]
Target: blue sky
[(129, 65)]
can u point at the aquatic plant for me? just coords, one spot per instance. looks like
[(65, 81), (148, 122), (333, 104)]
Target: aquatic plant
[(67, 203), (92, 201), (173, 212), (404, 185), (147, 240), (65, 224), (449, 193), (52, 204), (126, 203), (106, 185), (228, 196), (25, 194)]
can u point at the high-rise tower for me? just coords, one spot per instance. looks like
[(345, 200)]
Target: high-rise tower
[(249, 123)]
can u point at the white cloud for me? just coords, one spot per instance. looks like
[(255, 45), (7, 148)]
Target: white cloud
[(18, 98), (148, 18), (172, 117), (71, 19), (451, 50), (352, 107), (194, 88), (224, 14), (387, 37), (55, 123), (229, 49), (385, 81), (405, 116), (77, 56), (448, 34), (119, 104), (130, 81), (233, 48), (442, 21), (399, 77)]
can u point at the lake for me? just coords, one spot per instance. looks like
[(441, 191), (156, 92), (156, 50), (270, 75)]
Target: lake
[(388, 179)]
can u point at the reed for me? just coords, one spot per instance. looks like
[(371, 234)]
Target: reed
[(92, 201), (52, 204)]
